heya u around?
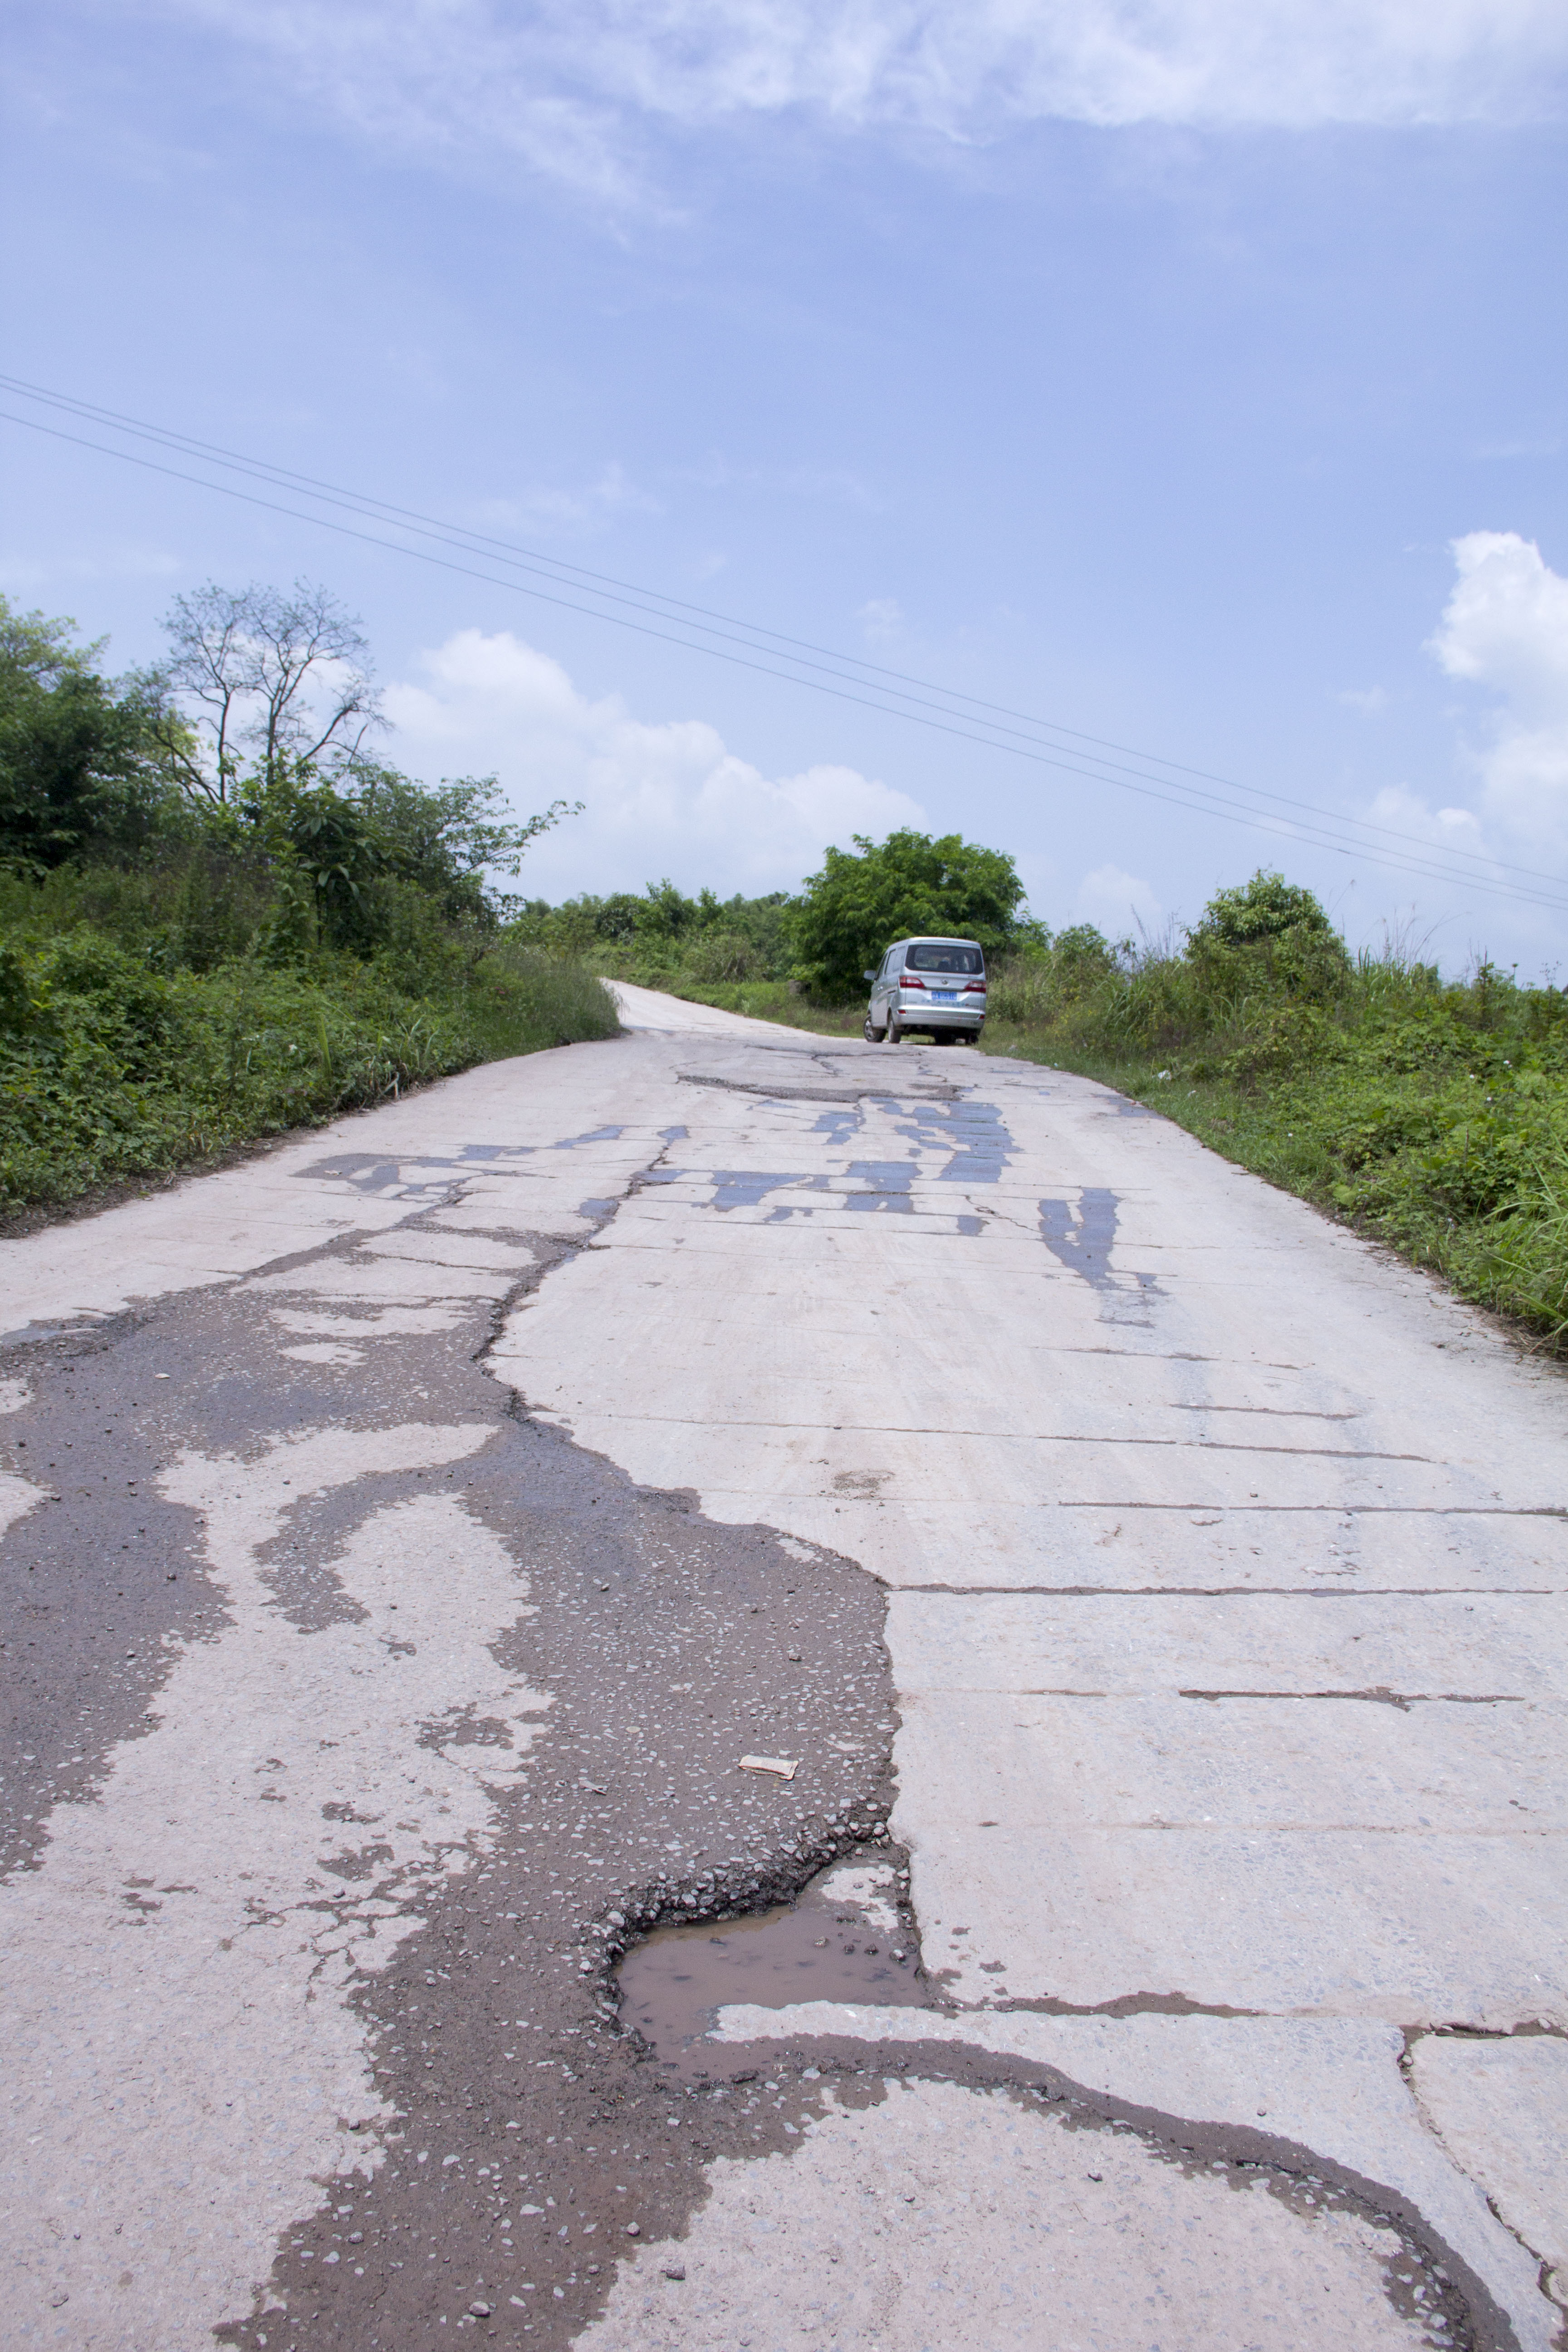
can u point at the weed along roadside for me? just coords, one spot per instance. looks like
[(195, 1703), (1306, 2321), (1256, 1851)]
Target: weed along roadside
[(111, 1072)]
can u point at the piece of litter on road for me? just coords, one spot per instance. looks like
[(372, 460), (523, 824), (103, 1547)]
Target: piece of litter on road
[(782, 1765), (675, 2270)]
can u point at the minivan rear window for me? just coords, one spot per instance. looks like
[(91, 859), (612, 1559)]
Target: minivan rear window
[(930, 959)]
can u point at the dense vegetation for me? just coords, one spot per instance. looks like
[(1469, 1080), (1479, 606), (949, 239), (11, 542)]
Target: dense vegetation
[(213, 932)]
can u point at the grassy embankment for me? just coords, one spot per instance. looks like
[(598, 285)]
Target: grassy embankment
[(145, 1028)]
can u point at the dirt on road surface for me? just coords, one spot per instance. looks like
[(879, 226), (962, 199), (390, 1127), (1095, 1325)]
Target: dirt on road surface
[(730, 1690)]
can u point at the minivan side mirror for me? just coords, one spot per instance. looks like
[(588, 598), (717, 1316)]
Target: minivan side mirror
[(868, 975)]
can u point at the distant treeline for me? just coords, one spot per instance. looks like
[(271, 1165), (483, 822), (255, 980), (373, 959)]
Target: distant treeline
[(818, 940)]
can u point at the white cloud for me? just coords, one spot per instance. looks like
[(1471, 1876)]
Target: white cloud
[(1118, 904), (881, 621), (561, 82), (592, 503), (661, 798), (1505, 628)]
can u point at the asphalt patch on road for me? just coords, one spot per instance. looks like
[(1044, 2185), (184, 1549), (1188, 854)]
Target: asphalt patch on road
[(536, 2137)]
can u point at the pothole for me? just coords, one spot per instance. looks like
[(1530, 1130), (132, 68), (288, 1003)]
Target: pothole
[(848, 1935)]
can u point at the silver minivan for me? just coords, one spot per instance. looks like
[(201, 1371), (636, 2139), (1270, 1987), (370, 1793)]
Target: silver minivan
[(934, 985)]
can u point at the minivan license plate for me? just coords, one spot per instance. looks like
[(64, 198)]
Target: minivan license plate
[(945, 995)]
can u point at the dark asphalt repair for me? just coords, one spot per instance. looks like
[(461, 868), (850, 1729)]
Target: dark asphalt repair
[(534, 2134), (713, 1642)]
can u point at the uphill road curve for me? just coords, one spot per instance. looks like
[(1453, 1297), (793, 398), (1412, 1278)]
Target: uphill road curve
[(731, 1690)]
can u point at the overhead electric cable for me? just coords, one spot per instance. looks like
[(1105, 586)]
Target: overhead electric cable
[(846, 666), (763, 650)]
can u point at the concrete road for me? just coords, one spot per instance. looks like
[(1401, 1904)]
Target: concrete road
[(1141, 1606)]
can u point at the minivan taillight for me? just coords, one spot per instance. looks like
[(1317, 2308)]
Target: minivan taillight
[(909, 980)]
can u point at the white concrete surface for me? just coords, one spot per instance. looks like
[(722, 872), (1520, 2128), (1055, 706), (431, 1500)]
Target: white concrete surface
[(945, 2220), (1225, 1563), (1330, 2086), (1501, 2109)]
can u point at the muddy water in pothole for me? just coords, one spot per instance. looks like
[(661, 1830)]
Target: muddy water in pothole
[(846, 1937)]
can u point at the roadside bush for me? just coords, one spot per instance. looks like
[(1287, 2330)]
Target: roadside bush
[(847, 916)]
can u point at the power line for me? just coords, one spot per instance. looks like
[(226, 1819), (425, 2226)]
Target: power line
[(1186, 787), (848, 667), (844, 677)]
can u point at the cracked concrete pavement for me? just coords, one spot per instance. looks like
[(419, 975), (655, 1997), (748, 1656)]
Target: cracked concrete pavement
[(1157, 1591)]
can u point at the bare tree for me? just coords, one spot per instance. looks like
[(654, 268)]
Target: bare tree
[(285, 676)]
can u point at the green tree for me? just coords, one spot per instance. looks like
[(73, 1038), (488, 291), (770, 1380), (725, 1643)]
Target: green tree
[(1269, 933), (847, 916), (1263, 908), (80, 771), (286, 676), (448, 838), (348, 855)]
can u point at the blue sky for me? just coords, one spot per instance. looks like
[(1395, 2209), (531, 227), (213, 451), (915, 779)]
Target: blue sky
[(1193, 377)]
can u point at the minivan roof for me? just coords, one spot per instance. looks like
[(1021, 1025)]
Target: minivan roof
[(935, 940)]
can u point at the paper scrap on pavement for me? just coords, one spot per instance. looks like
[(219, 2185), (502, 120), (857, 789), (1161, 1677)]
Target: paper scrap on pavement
[(782, 1765)]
